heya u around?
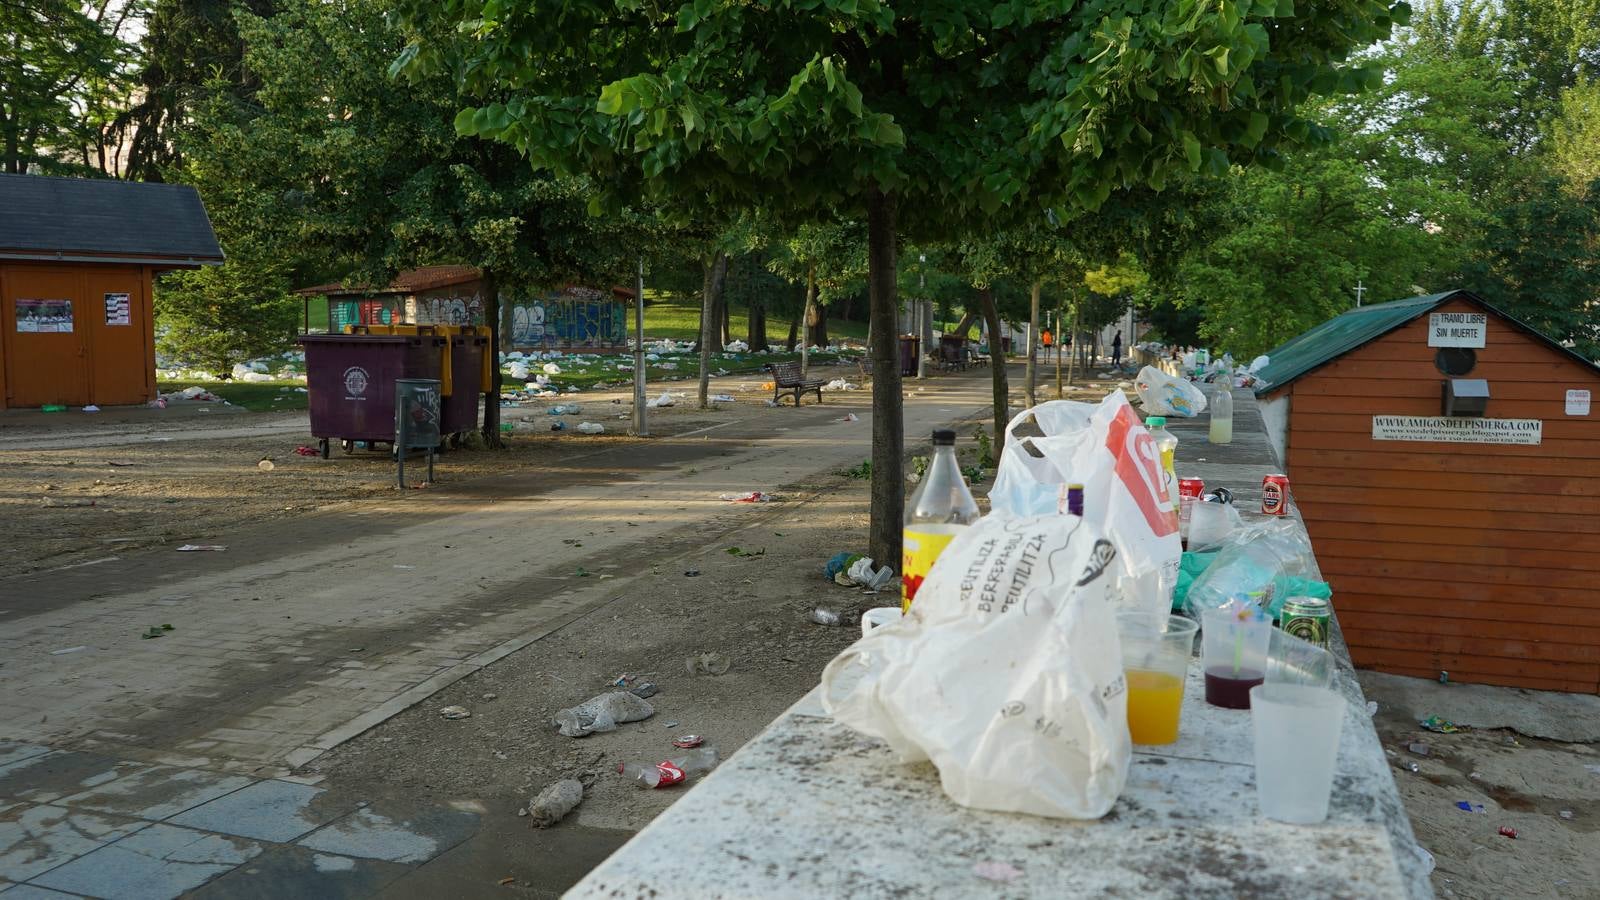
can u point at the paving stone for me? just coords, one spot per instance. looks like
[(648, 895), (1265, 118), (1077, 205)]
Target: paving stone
[(408, 833), (300, 872), (34, 892), (158, 862), (269, 810), (36, 839), (51, 776), (157, 792), (11, 752)]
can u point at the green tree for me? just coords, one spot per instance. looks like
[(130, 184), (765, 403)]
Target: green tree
[(1575, 136), (215, 317), (62, 65), (919, 119)]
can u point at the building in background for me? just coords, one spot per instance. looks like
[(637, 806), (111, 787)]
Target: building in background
[(78, 258)]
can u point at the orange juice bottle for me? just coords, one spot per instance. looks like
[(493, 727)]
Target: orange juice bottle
[(1154, 701)]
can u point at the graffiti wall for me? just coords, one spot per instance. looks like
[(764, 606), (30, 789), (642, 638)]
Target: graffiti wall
[(571, 319), (445, 309)]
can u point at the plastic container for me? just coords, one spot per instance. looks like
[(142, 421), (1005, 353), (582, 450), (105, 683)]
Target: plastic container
[(1296, 746), (938, 510), (1233, 653), (1167, 447), (1155, 663), (1291, 660), (1221, 415), (671, 771)]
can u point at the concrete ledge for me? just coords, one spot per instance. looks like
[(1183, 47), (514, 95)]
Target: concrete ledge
[(811, 808)]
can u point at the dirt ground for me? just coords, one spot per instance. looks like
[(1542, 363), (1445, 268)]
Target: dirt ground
[(1548, 791), (70, 506)]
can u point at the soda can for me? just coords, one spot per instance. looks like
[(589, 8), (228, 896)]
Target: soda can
[(1191, 487), (1307, 618), (1275, 495)]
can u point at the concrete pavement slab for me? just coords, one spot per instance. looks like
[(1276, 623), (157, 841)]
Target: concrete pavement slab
[(157, 792), (298, 872), (51, 776), (11, 752), (33, 892), (159, 862), (401, 833), (36, 839), (270, 810)]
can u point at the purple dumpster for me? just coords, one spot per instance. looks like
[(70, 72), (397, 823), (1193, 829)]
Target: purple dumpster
[(350, 382)]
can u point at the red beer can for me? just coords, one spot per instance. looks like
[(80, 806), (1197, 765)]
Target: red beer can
[(1275, 495), (1191, 487)]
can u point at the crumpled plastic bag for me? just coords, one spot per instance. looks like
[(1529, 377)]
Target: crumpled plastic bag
[(1164, 395), (552, 369), (666, 399), (1265, 563), (862, 572), (519, 371), (555, 801), (603, 712)]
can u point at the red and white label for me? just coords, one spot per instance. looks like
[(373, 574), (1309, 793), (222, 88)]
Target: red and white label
[(1138, 467)]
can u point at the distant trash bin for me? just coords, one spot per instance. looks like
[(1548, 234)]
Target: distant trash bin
[(464, 369), (417, 415), (909, 345), (350, 382)]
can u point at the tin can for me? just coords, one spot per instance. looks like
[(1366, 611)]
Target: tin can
[(1191, 487), (1307, 618), (1275, 495)]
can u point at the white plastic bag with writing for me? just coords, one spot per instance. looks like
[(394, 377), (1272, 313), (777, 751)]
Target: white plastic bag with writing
[(1164, 395), (1106, 448), (1006, 673)]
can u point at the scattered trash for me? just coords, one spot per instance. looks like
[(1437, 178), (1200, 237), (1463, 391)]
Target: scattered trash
[(1565, 813), (195, 548), (824, 616), (688, 741), (996, 871), (303, 450), (672, 724), (722, 398), (489, 696), (848, 417), (601, 713), (839, 384), (456, 712), (266, 465), (1412, 767), (1418, 748), (1442, 726), (591, 427), (645, 691), (155, 631), (552, 369), (1593, 769), (157, 403), (670, 771), (747, 497), (743, 553), (862, 572), (1468, 806), (708, 664), (1508, 831), (69, 650), (398, 566), (558, 426), (666, 399), (555, 801), (511, 879), (1372, 708), (691, 573), (91, 408)]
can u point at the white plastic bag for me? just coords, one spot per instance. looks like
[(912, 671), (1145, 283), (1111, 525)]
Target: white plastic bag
[(1104, 447), (1164, 395), (1006, 673)]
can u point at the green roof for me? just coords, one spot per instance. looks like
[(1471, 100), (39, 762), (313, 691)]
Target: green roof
[(1341, 334)]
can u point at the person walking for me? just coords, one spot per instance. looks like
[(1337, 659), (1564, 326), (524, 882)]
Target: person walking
[(1116, 349)]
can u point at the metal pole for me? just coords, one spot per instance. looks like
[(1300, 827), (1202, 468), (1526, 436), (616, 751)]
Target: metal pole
[(640, 427), (920, 324)]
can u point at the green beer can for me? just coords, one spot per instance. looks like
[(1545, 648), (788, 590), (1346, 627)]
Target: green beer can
[(1307, 618)]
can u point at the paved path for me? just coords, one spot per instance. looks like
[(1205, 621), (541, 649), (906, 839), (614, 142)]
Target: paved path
[(302, 635)]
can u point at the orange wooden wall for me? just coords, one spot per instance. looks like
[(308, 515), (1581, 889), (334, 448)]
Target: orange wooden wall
[(1482, 560), (94, 363)]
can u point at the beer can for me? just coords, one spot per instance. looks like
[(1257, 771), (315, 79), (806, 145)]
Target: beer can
[(1275, 495), (1191, 487), (1307, 618)]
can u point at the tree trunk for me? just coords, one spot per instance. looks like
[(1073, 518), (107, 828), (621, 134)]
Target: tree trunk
[(811, 302), (965, 325), (505, 327), (490, 285), (725, 317), (997, 369), (794, 331), (1072, 356), (758, 326), (817, 323), (716, 273), (1033, 345), (1059, 390), (888, 424)]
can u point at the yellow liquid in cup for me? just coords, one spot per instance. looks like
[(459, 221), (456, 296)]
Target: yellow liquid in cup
[(1154, 701)]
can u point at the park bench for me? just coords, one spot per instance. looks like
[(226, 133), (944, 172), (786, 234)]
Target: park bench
[(786, 379), (952, 356)]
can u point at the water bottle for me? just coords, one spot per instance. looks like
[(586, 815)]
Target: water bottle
[(938, 510), (1166, 446), (1222, 415)]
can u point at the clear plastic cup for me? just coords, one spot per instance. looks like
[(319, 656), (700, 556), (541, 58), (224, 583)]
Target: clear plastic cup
[(1155, 662), (1297, 742), (1291, 660), (1233, 650)]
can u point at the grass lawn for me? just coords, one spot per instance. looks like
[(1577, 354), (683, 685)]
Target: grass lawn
[(263, 396), (678, 319)]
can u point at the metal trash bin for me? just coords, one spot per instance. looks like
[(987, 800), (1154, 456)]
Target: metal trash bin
[(466, 357), (909, 345), (350, 382), (418, 413)]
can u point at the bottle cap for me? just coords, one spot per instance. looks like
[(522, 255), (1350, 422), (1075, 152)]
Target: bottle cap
[(944, 437), (1153, 421)]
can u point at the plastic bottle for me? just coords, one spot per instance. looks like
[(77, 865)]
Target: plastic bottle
[(938, 510), (1166, 446), (1222, 415), (700, 759), (1075, 499)]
